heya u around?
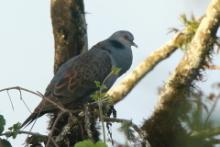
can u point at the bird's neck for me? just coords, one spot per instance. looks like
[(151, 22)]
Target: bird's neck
[(121, 55), (122, 59)]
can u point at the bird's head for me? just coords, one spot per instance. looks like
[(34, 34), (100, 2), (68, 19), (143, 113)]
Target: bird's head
[(124, 37)]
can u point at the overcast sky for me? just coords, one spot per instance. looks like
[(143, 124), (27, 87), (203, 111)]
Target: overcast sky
[(27, 48)]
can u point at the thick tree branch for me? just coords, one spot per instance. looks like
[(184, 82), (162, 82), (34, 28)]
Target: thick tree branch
[(69, 28), (163, 127), (194, 59)]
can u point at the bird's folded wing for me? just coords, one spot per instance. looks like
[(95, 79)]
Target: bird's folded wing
[(75, 80)]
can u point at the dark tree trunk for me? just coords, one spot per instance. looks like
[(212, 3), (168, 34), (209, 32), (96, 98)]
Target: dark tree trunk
[(70, 35), (69, 28)]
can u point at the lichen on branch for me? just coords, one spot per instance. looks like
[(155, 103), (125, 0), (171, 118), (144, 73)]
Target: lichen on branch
[(163, 127)]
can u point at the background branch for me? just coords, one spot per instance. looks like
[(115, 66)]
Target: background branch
[(206, 133), (163, 127)]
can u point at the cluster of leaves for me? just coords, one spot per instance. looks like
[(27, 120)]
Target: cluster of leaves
[(12, 132), (201, 114), (199, 118), (101, 92), (3, 142), (190, 26), (89, 143)]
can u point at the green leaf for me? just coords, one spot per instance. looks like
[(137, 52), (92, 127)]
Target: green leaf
[(183, 19), (95, 95), (15, 129), (89, 143), (116, 70), (85, 143), (98, 84), (5, 143), (100, 144), (103, 87), (191, 25), (2, 123)]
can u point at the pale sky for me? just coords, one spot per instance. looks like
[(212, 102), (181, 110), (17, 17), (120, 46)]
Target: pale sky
[(27, 49)]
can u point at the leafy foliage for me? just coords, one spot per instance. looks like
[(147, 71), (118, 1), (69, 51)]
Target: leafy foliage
[(190, 27), (14, 130), (5, 143), (2, 123), (89, 143), (99, 94), (191, 24), (199, 119), (116, 70)]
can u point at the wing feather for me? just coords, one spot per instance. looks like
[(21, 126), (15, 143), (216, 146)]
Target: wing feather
[(75, 80)]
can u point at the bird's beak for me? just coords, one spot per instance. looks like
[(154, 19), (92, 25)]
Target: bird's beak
[(134, 44)]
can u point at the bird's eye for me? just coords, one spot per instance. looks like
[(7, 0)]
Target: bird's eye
[(126, 37)]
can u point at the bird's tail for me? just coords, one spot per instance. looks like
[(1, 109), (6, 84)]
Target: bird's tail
[(40, 110), (34, 115), (30, 119)]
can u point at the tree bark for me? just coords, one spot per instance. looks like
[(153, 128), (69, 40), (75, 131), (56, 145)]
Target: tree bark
[(69, 29), (70, 35)]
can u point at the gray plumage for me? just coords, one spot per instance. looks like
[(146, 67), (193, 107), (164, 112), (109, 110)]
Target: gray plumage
[(74, 81)]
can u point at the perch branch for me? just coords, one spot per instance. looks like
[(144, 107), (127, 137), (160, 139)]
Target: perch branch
[(118, 92)]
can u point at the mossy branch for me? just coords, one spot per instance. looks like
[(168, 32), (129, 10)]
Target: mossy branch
[(163, 126), (195, 57)]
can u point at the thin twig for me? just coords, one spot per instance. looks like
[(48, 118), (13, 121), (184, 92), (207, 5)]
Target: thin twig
[(21, 98), (102, 120), (213, 67), (104, 99), (23, 132), (30, 133), (37, 94), (87, 122), (53, 128), (20, 88), (212, 109), (10, 100), (59, 106), (134, 126)]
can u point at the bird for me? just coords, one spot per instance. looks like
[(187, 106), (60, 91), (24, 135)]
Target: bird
[(74, 82)]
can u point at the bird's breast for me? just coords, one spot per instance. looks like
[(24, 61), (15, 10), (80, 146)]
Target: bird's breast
[(122, 59)]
